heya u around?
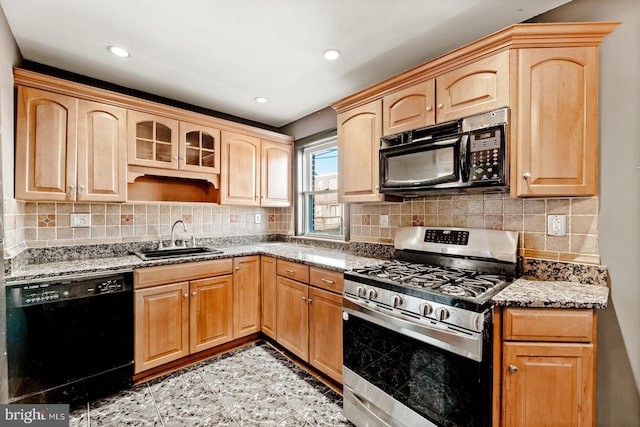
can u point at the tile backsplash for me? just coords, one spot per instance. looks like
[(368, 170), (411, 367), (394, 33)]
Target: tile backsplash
[(491, 211), (37, 224)]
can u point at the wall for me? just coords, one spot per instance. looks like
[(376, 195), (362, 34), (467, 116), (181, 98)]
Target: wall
[(48, 224), (492, 211), (618, 401), (9, 57)]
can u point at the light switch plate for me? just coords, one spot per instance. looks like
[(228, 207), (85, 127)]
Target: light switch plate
[(257, 218), (556, 225), (80, 220), (384, 221)]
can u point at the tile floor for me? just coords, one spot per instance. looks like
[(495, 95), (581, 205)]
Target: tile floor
[(251, 386)]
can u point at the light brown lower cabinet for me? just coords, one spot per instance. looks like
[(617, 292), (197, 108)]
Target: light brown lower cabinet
[(309, 319), (161, 325), (548, 367), (293, 317), (268, 296), (246, 295), (180, 310)]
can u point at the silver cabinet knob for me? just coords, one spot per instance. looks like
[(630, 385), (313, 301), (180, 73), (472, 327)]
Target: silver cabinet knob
[(81, 188), (72, 187), (185, 295), (429, 108), (193, 294), (304, 298), (513, 368), (526, 175), (309, 301), (440, 106), (237, 268)]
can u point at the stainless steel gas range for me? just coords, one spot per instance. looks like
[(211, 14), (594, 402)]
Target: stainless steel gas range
[(418, 329)]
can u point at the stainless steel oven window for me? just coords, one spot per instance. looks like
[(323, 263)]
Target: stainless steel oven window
[(318, 212)]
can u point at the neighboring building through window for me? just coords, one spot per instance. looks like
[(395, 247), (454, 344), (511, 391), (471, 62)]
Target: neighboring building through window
[(319, 213)]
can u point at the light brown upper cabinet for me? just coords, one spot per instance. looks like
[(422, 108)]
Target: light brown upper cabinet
[(359, 132), (69, 149), (557, 133), (475, 88), (255, 172), (160, 142), (410, 108), (276, 174), (545, 73)]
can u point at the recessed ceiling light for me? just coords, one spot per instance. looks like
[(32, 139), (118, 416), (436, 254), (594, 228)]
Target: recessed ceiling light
[(118, 51), (260, 99), (331, 54)]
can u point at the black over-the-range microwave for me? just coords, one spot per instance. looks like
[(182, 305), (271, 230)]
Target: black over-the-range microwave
[(465, 155)]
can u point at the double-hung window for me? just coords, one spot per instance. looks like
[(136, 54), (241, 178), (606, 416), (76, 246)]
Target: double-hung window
[(319, 213)]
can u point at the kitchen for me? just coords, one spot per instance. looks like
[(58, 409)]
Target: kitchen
[(614, 210)]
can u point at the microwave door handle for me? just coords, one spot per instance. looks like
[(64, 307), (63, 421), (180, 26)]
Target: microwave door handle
[(464, 168)]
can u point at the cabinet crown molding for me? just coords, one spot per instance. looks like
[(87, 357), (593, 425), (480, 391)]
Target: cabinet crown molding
[(566, 34), (37, 80)]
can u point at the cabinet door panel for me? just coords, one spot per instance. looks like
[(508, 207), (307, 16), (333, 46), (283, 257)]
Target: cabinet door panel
[(269, 297), (359, 132), (409, 109), (199, 148), (240, 169), (548, 384), (325, 332), (557, 122), (161, 325), (246, 296), (102, 155), (45, 146), (276, 180), (293, 317), (210, 312), (152, 140), (474, 88)]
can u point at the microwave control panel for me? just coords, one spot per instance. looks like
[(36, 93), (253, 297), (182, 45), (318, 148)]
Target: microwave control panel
[(486, 155)]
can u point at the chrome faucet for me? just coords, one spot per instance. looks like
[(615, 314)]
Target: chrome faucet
[(172, 244)]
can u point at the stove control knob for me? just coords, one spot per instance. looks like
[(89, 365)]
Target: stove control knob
[(372, 294), (426, 309), (442, 313), (360, 291), (397, 301)]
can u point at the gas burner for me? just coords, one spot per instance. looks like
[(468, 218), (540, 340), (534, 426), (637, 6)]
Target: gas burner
[(454, 290)]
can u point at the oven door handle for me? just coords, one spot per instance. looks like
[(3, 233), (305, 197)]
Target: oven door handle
[(467, 344), (362, 405)]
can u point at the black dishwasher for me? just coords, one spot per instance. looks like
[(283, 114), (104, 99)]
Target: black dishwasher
[(69, 339)]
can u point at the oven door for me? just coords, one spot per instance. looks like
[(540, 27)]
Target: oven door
[(391, 378), (419, 166)]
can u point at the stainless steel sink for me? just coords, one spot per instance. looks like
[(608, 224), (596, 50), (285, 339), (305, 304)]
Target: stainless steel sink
[(175, 252)]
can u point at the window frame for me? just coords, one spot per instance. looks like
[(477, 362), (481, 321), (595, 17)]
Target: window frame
[(305, 148)]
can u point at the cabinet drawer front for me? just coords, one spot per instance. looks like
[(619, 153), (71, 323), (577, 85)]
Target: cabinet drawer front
[(151, 276), (293, 270), (548, 324), (326, 279)]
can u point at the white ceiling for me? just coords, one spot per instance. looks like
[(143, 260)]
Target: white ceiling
[(222, 54)]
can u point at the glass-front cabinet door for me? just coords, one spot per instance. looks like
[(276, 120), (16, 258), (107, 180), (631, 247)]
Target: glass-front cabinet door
[(153, 140), (199, 148)]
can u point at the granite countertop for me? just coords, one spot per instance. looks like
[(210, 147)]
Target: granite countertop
[(552, 294), (305, 254)]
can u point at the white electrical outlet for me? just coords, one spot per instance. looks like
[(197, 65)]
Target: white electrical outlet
[(257, 218), (556, 225), (80, 220), (384, 221)]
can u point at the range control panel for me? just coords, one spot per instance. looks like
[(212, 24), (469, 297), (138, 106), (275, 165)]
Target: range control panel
[(486, 155), (35, 293), (449, 237)]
